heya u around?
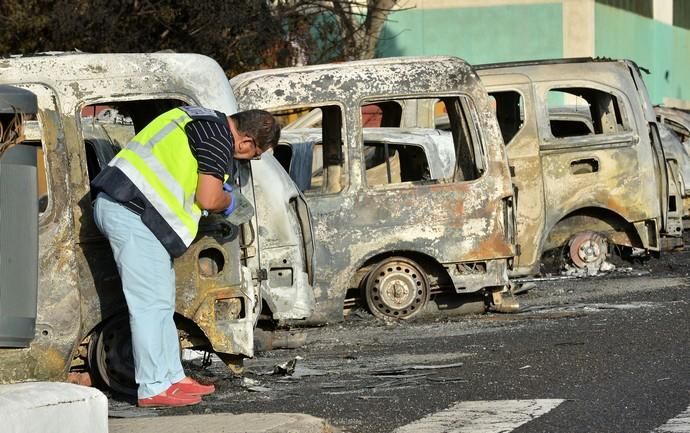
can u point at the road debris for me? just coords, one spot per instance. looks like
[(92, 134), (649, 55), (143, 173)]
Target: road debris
[(286, 368), (403, 370), (253, 385)]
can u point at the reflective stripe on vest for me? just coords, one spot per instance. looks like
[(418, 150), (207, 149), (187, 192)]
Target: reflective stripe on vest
[(159, 162)]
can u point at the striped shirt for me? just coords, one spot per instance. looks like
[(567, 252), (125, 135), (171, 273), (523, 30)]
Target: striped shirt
[(212, 146)]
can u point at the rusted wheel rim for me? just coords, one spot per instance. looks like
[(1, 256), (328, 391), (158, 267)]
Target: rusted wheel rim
[(397, 288), (587, 249), (110, 355)]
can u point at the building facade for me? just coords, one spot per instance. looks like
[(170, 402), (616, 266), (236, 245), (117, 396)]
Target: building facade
[(653, 33)]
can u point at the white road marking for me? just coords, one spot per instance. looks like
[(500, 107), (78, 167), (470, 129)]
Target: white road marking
[(679, 424), (488, 416)]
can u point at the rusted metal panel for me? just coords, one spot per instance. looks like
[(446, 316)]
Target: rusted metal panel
[(586, 182), (286, 249), (443, 223), (675, 136)]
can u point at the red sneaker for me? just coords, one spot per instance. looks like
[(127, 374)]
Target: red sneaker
[(192, 387), (171, 397)]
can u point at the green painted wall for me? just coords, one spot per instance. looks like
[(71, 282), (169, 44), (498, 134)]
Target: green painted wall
[(478, 35), (523, 32), (659, 47)]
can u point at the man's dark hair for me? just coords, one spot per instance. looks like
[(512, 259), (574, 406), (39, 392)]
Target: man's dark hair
[(260, 125)]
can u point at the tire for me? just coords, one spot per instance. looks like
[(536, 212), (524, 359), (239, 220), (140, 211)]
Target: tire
[(397, 288), (110, 355), (588, 250)]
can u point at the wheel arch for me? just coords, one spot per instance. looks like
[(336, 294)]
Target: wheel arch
[(596, 219), (434, 270)]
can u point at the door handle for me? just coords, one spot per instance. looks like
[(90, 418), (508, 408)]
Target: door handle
[(584, 166)]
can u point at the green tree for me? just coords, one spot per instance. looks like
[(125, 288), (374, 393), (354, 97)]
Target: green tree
[(240, 35)]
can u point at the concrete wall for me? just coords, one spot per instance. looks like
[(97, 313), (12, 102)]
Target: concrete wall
[(653, 44), (478, 34), (486, 31)]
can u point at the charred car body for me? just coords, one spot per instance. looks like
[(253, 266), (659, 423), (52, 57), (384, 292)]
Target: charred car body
[(573, 120), (88, 107), (578, 189), (399, 239)]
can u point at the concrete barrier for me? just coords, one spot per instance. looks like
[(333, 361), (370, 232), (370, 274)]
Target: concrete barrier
[(51, 407)]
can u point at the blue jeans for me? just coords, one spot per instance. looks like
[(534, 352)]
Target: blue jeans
[(148, 282)]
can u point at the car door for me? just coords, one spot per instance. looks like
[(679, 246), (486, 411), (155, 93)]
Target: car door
[(516, 115), (19, 228), (661, 171)]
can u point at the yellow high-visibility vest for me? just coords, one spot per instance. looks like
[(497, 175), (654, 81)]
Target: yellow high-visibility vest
[(160, 163)]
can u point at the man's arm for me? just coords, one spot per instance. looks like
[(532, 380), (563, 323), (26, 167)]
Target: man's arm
[(210, 195)]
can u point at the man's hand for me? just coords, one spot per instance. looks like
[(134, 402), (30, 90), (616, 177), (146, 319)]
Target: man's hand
[(210, 194), (231, 207)]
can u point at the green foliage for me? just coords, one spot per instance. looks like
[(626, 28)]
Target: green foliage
[(240, 35)]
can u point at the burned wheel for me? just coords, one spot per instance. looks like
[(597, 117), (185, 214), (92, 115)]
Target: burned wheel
[(110, 355), (397, 288), (588, 250)]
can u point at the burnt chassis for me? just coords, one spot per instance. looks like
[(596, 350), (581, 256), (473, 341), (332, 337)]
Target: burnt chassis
[(675, 135), (453, 234), (578, 192), (80, 308)]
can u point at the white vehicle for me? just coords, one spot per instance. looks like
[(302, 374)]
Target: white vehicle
[(90, 105)]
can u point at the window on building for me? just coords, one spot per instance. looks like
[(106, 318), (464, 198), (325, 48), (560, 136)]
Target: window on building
[(583, 111), (681, 14), (510, 113), (639, 7)]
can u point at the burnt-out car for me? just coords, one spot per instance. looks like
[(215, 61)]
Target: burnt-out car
[(582, 187), (400, 240), (89, 106)]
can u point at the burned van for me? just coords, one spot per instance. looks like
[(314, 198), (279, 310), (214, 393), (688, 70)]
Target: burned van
[(389, 231), (594, 178), (89, 106)]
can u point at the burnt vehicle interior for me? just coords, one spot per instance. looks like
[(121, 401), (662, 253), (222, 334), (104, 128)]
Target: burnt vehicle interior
[(386, 161), (410, 162), (117, 122), (19, 177), (600, 108), (510, 113), (681, 131), (389, 163), (319, 167), (561, 128)]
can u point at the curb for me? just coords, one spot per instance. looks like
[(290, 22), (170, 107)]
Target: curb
[(224, 423), (52, 407)]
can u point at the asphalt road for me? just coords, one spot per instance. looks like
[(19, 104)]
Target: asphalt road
[(601, 354)]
